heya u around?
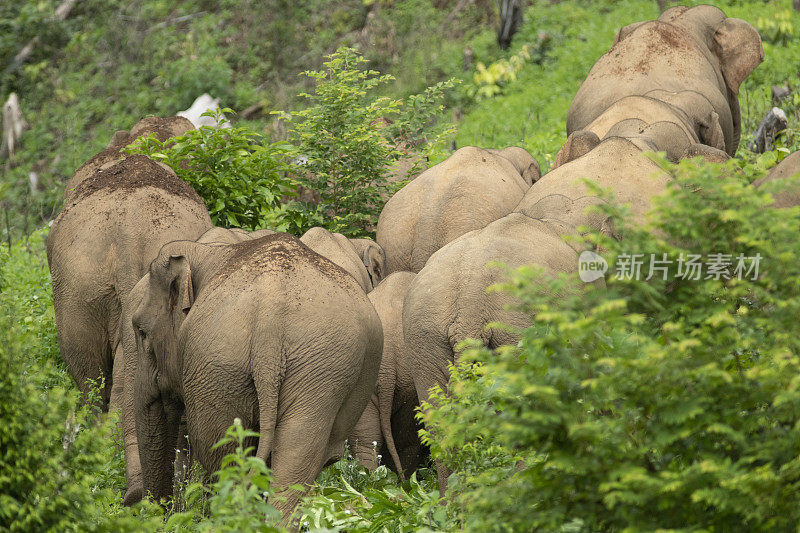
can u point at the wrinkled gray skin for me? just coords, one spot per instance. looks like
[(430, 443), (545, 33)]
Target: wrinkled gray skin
[(691, 59), (215, 235), (361, 258), (265, 330), (786, 194), (470, 189), (448, 301), (112, 225), (388, 420)]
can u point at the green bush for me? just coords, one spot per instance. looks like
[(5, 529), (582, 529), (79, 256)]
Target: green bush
[(660, 404), (341, 152), (60, 465), (237, 172), (344, 147), (348, 497)]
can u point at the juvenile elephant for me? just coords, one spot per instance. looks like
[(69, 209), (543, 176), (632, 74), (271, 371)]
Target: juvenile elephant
[(388, 420), (788, 168), (467, 191), (265, 330), (649, 123), (99, 246), (693, 59), (361, 258)]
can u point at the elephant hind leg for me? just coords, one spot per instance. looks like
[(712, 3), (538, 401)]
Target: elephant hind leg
[(84, 344), (300, 451), (431, 359), (367, 431)]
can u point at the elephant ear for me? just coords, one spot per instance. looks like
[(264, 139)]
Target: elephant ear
[(578, 143), (738, 47), (181, 290), (374, 259), (625, 31)]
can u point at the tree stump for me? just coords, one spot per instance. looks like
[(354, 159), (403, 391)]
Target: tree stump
[(13, 126), (510, 12), (773, 123)]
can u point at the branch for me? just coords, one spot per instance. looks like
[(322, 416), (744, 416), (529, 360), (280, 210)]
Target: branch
[(176, 20), (773, 123), (62, 12)]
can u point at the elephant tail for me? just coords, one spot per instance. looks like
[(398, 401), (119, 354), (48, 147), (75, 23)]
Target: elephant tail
[(385, 400), (267, 392)]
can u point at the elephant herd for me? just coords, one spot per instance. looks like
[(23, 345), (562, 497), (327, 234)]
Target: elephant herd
[(314, 341)]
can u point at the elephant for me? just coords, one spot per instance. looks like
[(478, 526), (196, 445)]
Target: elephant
[(448, 302), (388, 423), (649, 123), (98, 248), (616, 163), (265, 330), (362, 258), (785, 170), (218, 235), (468, 190), (161, 128), (692, 59)]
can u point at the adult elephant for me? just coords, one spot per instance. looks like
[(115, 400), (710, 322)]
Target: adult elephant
[(98, 248), (694, 59), (448, 301), (265, 330), (361, 258), (467, 191), (388, 424)]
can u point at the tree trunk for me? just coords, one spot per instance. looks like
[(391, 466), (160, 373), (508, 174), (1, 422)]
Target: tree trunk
[(510, 12), (773, 123), (62, 12), (13, 126)]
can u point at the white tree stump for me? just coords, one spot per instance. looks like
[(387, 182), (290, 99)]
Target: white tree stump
[(13, 126), (773, 123)]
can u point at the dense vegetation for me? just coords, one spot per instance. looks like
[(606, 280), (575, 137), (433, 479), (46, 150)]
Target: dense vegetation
[(537, 437)]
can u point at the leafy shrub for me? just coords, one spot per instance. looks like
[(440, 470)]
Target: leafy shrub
[(239, 175), (660, 404), (344, 151), (348, 497), (237, 499), (490, 81)]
